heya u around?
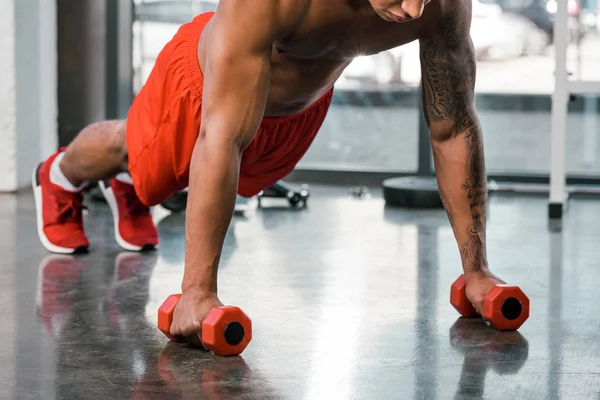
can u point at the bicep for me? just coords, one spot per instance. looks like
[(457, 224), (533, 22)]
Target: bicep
[(235, 94), (237, 68), (448, 67)]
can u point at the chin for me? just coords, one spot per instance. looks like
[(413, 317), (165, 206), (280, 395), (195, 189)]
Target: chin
[(400, 20), (384, 16)]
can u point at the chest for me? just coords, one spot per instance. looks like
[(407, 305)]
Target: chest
[(342, 34)]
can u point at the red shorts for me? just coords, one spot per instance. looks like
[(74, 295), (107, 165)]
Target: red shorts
[(164, 123)]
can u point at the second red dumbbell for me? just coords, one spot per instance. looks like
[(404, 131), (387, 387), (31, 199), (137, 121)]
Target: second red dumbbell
[(226, 331), (505, 307)]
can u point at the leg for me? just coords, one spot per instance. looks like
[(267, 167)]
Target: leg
[(98, 153)]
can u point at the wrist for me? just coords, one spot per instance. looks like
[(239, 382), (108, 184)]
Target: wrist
[(199, 289), (482, 272), (198, 295)]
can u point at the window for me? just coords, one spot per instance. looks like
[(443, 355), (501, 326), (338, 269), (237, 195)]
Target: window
[(373, 123)]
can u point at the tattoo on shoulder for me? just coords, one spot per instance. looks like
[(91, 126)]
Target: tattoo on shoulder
[(448, 69)]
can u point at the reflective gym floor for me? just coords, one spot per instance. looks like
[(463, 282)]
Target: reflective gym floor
[(349, 300)]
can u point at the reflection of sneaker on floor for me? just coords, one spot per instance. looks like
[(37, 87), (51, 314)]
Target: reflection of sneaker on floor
[(133, 265), (58, 280), (128, 291), (134, 228), (59, 212)]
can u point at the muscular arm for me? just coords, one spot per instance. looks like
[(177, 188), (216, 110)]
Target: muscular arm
[(448, 71), (237, 75)]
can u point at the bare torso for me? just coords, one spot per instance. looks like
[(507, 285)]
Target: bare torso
[(306, 63)]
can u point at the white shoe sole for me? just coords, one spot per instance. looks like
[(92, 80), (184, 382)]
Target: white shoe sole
[(37, 194), (107, 191)]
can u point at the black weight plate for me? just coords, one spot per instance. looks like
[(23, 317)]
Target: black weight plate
[(177, 202), (412, 192)]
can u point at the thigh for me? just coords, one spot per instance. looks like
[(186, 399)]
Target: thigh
[(279, 145)]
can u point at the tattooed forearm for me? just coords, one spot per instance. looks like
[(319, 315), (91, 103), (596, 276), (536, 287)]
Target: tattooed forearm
[(448, 75), (473, 251)]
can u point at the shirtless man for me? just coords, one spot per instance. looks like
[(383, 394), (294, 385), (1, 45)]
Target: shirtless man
[(259, 75)]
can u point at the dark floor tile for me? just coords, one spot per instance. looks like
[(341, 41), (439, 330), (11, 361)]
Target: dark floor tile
[(349, 300)]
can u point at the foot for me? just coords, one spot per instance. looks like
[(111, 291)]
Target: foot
[(59, 213), (478, 286), (134, 228)]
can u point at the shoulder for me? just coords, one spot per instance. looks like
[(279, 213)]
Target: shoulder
[(282, 13)]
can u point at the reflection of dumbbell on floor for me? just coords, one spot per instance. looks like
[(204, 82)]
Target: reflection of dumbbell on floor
[(484, 349), (226, 331), (505, 307)]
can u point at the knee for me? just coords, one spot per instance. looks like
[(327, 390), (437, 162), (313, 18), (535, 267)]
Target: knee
[(122, 145), (118, 142)]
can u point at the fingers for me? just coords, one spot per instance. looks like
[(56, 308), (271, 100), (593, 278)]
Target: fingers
[(192, 336), (195, 341), (478, 309)]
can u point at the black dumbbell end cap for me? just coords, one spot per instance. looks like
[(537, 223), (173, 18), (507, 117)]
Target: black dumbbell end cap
[(511, 308), (234, 333)]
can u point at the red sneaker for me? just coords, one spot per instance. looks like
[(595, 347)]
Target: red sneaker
[(134, 228), (59, 213)]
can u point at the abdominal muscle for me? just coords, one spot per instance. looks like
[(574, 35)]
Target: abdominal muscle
[(298, 83)]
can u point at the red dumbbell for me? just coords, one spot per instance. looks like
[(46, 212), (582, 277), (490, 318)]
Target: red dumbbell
[(226, 331), (505, 307)]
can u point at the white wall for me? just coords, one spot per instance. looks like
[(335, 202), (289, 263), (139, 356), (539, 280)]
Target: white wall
[(48, 79), (8, 118), (28, 94)]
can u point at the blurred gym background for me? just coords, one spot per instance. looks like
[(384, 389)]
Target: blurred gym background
[(106, 49), (66, 63), (372, 131)]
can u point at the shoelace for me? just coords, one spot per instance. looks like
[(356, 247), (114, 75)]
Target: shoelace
[(70, 210)]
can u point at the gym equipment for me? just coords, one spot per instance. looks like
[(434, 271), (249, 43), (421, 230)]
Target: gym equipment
[(177, 202), (226, 331), (412, 192), (505, 307), (420, 191), (564, 89), (360, 192), (282, 190)]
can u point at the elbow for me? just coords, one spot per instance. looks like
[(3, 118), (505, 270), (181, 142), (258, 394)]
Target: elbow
[(214, 140), (441, 136), (446, 130), (441, 132)]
